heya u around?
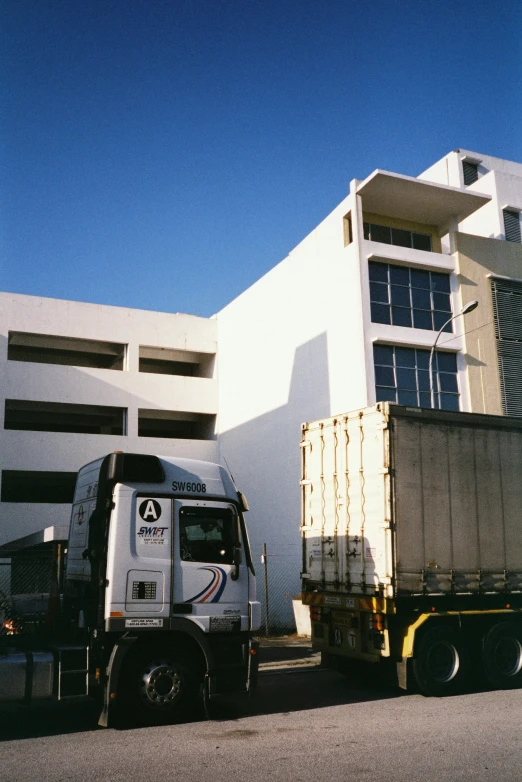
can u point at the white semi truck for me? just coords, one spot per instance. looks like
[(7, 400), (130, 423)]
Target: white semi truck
[(157, 603), (412, 544)]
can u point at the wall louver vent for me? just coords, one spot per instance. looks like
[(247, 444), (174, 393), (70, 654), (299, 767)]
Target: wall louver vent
[(507, 309), (511, 226), (470, 171)]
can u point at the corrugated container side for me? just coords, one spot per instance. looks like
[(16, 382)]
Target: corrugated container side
[(346, 503), (404, 501), (457, 487)]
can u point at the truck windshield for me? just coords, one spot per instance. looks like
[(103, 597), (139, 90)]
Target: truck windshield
[(207, 535)]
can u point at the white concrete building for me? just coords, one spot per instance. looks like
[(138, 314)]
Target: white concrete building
[(347, 319), (80, 380)]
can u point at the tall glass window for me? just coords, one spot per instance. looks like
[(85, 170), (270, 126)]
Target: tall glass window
[(404, 296), (397, 236), (402, 376)]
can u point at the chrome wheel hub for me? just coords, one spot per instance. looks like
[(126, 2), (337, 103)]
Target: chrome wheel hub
[(160, 684)]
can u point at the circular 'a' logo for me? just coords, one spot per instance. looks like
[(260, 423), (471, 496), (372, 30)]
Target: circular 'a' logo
[(150, 510)]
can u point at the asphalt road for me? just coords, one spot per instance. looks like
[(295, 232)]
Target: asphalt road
[(306, 725)]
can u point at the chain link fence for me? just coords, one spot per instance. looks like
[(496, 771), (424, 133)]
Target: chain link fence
[(25, 583), (278, 584)]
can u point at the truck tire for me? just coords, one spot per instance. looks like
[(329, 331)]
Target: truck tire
[(502, 655), (441, 662), (160, 686)]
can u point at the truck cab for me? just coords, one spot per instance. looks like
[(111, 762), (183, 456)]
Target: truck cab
[(159, 585)]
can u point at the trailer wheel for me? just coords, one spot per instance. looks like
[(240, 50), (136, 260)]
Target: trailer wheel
[(441, 662), (502, 655), (160, 686)]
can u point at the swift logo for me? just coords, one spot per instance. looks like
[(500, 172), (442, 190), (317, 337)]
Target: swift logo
[(214, 588), (152, 532)]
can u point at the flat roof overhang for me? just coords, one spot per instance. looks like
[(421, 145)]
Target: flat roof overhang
[(417, 200), (47, 536)]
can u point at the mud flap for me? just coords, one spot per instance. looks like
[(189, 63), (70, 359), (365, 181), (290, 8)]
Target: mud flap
[(402, 673), (110, 691), (253, 666)]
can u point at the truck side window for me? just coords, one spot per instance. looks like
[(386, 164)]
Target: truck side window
[(207, 535)]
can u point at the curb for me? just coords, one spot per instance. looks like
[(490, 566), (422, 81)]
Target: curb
[(308, 663)]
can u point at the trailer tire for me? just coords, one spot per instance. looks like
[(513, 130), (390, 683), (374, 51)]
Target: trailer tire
[(160, 686), (502, 655), (441, 662)]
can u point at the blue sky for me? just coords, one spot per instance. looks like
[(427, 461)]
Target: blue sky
[(164, 154)]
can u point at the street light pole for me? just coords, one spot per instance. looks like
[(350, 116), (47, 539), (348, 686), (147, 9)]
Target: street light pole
[(469, 307)]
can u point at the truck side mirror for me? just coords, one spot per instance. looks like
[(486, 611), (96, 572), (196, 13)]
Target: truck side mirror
[(237, 558), (242, 501)]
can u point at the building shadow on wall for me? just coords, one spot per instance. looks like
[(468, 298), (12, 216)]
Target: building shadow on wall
[(265, 459)]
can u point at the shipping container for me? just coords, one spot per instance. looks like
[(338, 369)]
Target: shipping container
[(411, 530)]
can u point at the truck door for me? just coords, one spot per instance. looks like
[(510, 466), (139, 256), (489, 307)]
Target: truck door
[(207, 571), (147, 562)]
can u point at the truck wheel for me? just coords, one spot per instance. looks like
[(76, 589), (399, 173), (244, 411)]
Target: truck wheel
[(441, 662), (160, 687), (502, 655)]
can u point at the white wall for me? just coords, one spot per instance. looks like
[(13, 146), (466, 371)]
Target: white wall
[(446, 171), (290, 350), (506, 191), (62, 452), (502, 179), (486, 221)]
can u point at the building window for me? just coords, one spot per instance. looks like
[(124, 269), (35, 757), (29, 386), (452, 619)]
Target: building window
[(29, 416), (403, 296), (38, 486), (167, 361), (68, 351), (512, 225), (397, 236), (402, 376), (174, 424), (470, 171), (347, 224)]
